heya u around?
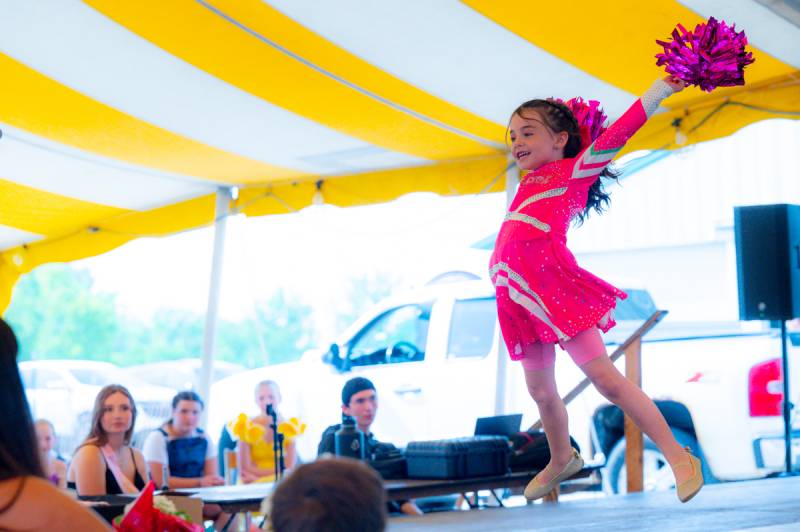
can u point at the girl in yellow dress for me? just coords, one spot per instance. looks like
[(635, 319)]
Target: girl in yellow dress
[(255, 448)]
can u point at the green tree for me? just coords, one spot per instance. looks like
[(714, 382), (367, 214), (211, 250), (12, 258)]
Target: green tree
[(56, 314), (239, 342), (282, 329), (170, 334), (362, 293)]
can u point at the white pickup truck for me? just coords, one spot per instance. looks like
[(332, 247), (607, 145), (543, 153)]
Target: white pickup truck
[(433, 355)]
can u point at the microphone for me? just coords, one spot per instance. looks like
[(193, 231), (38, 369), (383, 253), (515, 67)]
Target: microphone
[(270, 410)]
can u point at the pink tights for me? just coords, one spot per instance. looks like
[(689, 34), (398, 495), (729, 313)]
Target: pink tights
[(583, 347)]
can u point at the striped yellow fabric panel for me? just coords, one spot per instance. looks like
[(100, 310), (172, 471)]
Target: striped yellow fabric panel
[(44, 213), (112, 231), (472, 176), (166, 220), (613, 41), (265, 20), (116, 227), (227, 48), (9, 275), (719, 117), (39, 105)]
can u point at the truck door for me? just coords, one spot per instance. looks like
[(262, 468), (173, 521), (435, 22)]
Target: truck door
[(390, 351), (466, 376)]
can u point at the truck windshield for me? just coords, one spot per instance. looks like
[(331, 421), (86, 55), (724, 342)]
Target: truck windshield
[(398, 335)]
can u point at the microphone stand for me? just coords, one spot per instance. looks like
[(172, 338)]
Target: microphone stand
[(282, 465), (787, 406), (277, 443)]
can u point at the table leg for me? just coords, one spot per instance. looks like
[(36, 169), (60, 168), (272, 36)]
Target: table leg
[(228, 523), (497, 498), (472, 504)]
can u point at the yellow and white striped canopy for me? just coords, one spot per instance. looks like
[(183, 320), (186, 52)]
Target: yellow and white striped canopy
[(122, 118)]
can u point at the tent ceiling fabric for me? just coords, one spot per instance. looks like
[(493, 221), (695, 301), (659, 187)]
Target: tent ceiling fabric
[(121, 119)]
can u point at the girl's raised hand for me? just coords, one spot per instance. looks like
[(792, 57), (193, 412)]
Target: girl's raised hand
[(677, 84)]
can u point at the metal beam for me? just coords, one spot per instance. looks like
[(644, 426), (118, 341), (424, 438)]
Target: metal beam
[(210, 338)]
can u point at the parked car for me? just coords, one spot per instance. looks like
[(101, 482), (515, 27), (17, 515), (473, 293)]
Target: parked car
[(433, 356), (181, 374), (64, 391)]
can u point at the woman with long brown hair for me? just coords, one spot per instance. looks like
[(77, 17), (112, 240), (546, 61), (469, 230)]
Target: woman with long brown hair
[(105, 463)]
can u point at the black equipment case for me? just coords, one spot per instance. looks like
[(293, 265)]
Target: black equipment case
[(388, 461), (474, 456), (530, 452)]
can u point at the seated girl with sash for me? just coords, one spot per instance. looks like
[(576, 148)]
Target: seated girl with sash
[(105, 463)]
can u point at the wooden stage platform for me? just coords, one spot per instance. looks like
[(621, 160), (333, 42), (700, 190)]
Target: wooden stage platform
[(759, 505)]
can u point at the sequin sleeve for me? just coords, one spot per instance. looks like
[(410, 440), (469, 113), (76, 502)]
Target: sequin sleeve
[(591, 161)]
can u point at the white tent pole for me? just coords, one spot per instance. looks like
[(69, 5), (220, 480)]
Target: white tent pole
[(501, 381), (210, 337)]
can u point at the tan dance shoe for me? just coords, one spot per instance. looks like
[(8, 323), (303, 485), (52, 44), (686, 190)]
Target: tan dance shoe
[(535, 490), (689, 487)]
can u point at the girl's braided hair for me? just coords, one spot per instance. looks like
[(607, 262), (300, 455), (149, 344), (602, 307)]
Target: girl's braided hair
[(558, 117)]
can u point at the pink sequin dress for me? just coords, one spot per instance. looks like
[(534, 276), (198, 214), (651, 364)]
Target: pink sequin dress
[(543, 295)]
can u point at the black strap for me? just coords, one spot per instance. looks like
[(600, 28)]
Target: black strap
[(138, 481), (14, 497)]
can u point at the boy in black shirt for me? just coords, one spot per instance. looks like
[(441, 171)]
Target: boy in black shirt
[(360, 401)]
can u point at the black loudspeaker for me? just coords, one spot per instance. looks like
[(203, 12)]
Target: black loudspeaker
[(768, 261)]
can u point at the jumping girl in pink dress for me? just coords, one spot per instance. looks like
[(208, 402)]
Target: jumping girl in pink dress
[(544, 297)]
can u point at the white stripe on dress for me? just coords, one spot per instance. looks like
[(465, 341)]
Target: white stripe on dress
[(531, 306)]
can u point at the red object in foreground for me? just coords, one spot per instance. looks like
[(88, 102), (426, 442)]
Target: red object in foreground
[(143, 517), (711, 56)]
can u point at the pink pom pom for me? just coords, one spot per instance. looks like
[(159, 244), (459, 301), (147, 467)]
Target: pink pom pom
[(590, 118), (712, 56)]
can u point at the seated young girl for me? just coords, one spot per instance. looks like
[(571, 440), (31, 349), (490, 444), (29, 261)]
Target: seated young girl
[(105, 463), (179, 451), (55, 469), (256, 440), (181, 455)]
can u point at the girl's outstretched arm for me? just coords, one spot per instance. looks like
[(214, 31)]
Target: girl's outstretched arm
[(592, 160)]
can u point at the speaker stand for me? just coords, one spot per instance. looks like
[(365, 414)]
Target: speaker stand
[(787, 406)]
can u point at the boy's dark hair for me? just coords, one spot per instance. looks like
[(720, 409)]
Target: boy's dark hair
[(558, 117), (19, 454), (354, 386), (330, 495)]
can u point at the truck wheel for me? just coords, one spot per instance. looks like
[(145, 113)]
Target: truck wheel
[(657, 473)]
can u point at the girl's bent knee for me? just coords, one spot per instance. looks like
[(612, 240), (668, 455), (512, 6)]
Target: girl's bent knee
[(543, 394), (611, 389)]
